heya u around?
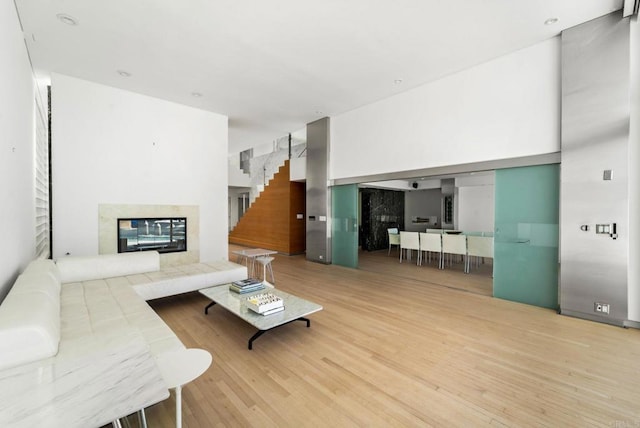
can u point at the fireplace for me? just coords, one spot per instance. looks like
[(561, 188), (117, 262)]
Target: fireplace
[(162, 234)]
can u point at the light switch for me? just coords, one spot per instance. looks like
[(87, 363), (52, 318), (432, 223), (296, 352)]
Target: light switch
[(607, 174)]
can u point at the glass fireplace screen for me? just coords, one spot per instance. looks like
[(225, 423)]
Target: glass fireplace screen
[(163, 234)]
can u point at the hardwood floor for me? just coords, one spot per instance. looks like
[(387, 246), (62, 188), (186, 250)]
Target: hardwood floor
[(478, 281), (393, 350)]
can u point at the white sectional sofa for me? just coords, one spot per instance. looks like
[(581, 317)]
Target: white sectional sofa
[(82, 321), (142, 271)]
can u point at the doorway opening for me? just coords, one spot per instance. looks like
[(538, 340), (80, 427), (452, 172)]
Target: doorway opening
[(458, 204)]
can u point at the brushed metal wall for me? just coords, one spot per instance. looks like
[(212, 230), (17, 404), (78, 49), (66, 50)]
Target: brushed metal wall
[(595, 139), (318, 192)]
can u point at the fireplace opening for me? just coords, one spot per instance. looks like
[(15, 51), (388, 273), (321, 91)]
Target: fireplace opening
[(162, 234)]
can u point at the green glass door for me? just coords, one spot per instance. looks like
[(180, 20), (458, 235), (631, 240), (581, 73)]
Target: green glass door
[(526, 235), (344, 225)]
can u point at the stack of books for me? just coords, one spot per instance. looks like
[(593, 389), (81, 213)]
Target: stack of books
[(265, 303), (246, 285)]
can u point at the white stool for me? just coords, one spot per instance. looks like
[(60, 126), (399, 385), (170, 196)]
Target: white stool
[(181, 367), (266, 265)]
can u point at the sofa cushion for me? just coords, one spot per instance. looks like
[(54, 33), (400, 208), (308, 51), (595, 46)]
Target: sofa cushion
[(44, 266), (30, 320), (174, 280), (40, 282), (84, 268), (99, 306)]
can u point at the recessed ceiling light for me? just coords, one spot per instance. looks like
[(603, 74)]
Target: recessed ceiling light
[(550, 21), (67, 19), (196, 94), (397, 81), (124, 73)]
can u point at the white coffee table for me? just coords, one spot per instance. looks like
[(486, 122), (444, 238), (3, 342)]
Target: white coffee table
[(295, 308)]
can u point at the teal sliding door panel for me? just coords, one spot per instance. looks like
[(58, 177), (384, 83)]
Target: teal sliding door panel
[(344, 225), (527, 207)]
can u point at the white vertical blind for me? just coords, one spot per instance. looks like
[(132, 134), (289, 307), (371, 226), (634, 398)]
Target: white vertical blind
[(42, 182)]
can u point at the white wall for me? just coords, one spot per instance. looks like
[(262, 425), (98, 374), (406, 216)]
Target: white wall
[(476, 208), (116, 147), (17, 206), (475, 195), (298, 168), (237, 177), (508, 107), (422, 203)]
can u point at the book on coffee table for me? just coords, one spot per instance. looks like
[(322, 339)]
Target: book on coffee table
[(247, 289), (273, 311), (265, 302), (246, 282)]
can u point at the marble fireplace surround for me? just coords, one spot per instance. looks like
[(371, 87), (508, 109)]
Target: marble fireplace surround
[(108, 228)]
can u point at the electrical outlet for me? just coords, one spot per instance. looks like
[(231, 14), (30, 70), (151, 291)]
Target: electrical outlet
[(601, 307)]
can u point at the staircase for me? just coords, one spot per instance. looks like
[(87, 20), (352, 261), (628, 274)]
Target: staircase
[(271, 221)]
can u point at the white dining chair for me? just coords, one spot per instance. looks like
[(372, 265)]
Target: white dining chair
[(431, 243), (394, 237), (478, 247), (455, 245), (410, 241)]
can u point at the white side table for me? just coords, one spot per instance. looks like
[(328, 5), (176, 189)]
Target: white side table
[(265, 261), (181, 367)]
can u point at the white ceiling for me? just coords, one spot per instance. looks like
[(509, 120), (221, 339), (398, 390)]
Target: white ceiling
[(273, 66)]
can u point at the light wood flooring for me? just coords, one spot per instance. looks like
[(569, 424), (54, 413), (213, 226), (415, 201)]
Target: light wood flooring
[(395, 350), (479, 280)]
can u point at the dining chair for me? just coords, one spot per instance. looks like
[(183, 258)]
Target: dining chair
[(410, 241), (455, 244), (431, 243), (477, 247), (394, 237)]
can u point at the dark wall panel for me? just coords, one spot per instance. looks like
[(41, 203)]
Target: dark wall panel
[(381, 209)]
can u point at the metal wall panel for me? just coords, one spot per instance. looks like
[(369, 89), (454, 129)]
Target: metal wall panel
[(318, 192), (595, 139)]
